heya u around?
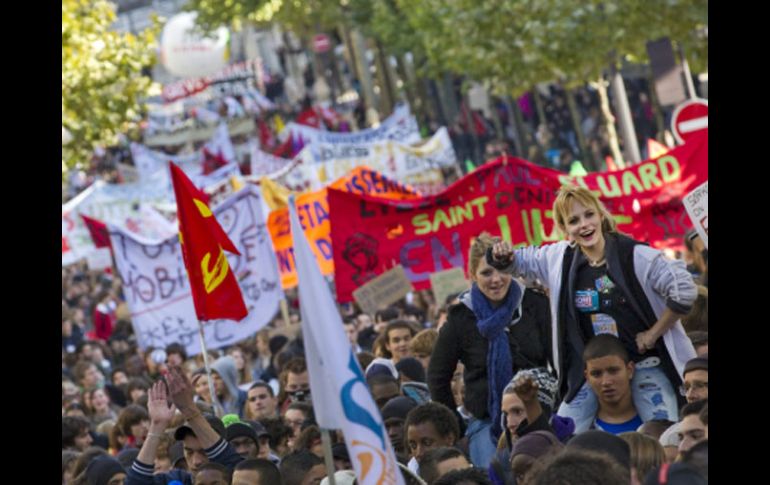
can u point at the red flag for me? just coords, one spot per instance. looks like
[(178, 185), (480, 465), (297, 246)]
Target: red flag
[(98, 231), (215, 290), (212, 161)]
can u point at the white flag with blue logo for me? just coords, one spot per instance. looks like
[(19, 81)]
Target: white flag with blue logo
[(341, 399)]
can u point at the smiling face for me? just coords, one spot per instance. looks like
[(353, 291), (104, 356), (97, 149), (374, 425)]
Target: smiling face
[(492, 283), (584, 226), (398, 343)]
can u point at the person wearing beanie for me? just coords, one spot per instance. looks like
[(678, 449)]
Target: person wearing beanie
[(497, 328), (393, 416), (382, 366), (243, 438), (696, 379), (105, 470)]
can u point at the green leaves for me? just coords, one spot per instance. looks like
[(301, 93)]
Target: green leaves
[(101, 78)]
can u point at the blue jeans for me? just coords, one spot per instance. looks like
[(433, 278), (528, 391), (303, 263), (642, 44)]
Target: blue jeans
[(653, 395), (480, 445)]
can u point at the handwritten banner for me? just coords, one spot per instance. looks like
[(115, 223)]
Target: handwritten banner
[(157, 290), (509, 197), (697, 205), (313, 212)]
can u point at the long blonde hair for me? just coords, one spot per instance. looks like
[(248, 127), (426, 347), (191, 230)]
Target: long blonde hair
[(562, 207)]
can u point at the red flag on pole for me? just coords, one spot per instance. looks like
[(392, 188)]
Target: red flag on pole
[(215, 291), (98, 231)]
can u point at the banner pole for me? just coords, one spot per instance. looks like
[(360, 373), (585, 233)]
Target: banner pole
[(218, 412), (326, 440), (285, 312)]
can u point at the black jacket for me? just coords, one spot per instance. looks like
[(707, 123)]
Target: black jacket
[(460, 340)]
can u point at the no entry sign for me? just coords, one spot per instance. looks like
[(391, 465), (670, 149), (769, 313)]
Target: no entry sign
[(689, 118)]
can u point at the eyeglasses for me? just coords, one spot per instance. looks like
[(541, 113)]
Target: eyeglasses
[(695, 385)]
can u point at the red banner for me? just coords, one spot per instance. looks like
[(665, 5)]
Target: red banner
[(509, 197)]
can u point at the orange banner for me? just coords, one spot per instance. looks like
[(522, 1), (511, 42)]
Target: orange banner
[(313, 212)]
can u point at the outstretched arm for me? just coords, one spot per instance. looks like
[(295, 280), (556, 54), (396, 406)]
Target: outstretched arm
[(181, 391)]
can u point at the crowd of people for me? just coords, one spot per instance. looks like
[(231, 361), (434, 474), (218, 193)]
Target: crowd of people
[(585, 358)]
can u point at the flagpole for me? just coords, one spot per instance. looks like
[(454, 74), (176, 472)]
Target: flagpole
[(214, 402), (326, 440)]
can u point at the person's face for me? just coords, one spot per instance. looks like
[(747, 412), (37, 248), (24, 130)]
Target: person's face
[(514, 411), (691, 432), (219, 384), (314, 475), (247, 477), (87, 352), (174, 359), (119, 378), (398, 343), (584, 226), (139, 430), (162, 465), (137, 394), (261, 403), (201, 382), (92, 377), (294, 419), (352, 333), (456, 463), (245, 446), (424, 359), (458, 387), (117, 479), (364, 321), (297, 382), (99, 401), (424, 437), (237, 356), (696, 385), (382, 393), (492, 283), (610, 378), (520, 464), (395, 428), (210, 477), (194, 454), (264, 447), (83, 440)]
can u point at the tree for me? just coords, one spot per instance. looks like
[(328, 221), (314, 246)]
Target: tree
[(102, 81)]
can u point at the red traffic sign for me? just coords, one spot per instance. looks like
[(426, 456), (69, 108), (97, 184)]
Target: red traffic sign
[(689, 118), (321, 43)]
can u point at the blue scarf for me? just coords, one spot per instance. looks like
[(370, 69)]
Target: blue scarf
[(491, 323)]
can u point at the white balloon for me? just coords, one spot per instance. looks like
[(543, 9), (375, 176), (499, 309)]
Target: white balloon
[(187, 53)]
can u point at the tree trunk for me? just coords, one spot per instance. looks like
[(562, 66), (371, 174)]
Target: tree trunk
[(386, 90), (585, 154), (496, 119), (609, 121), (519, 129), (365, 77), (539, 107)]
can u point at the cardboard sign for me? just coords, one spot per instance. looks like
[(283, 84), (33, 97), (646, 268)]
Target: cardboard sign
[(387, 288), (697, 205), (445, 283)]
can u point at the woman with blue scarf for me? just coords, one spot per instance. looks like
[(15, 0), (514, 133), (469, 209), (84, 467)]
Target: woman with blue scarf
[(495, 330)]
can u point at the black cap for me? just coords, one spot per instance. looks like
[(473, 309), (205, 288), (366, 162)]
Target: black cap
[(259, 428), (398, 407), (214, 421), (237, 430)]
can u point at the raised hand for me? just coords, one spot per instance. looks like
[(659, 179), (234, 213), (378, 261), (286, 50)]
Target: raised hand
[(158, 407), (502, 251), (180, 389)]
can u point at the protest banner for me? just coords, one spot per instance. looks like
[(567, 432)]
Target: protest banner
[(448, 282), (387, 288), (697, 205), (157, 289), (313, 210), (508, 197)]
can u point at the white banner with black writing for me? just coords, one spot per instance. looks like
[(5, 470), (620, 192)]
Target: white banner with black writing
[(157, 290)]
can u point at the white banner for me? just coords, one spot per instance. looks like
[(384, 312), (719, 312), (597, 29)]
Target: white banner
[(157, 289), (400, 126), (117, 204), (419, 166), (697, 205), (341, 398), (263, 163), (148, 161)]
